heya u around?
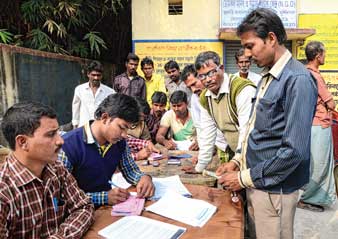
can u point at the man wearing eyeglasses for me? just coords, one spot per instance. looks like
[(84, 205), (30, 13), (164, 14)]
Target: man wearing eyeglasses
[(227, 100), (243, 63), (93, 152)]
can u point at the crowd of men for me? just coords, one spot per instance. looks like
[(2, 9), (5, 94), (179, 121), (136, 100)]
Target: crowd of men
[(269, 130)]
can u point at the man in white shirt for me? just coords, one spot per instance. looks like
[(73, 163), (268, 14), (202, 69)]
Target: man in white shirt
[(89, 95), (243, 63), (227, 101), (189, 77)]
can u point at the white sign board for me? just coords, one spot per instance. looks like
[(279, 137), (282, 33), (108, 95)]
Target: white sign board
[(233, 11)]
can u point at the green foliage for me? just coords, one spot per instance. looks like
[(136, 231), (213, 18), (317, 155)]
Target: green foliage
[(95, 42), (63, 26), (5, 36)]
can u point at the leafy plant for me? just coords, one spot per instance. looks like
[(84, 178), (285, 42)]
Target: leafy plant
[(5, 36), (64, 26)]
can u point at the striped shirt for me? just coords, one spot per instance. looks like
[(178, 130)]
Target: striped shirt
[(48, 207), (276, 148)]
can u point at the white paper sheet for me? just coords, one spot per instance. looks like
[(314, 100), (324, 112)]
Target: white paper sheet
[(187, 210), (141, 228), (169, 183), (120, 181), (182, 144)]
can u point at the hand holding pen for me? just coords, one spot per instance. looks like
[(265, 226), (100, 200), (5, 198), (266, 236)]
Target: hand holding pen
[(234, 196), (117, 194)]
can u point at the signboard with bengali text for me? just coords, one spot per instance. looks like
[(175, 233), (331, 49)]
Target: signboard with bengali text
[(182, 51), (233, 11), (326, 26)]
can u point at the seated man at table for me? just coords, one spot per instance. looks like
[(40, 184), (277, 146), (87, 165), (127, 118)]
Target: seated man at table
[(178, 121), (139, 139), (93, 152), (159, 102), (39, 198)]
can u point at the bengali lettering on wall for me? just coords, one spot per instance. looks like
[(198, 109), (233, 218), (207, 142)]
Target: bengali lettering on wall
[(184, 52), (233, 11), (331, 79), (326, 26)]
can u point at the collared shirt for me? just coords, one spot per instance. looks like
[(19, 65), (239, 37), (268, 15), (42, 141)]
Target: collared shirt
[(134, 86), (126, 165), (48, 207), (322, 116), (136, 145), (254, 77), (195, 111), (153, 124), (209, 127), (179, 131), (171, 87), (85, 102), (276, 148), (156, 83)]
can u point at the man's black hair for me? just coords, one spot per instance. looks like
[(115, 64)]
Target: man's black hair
[(204, 57), (171, 65), (94, 66), (132, 56), (147, 61), (187, 70), (143, 105), (119, 106), (178, 97), (262, 21), (159, 97), (23, 119)]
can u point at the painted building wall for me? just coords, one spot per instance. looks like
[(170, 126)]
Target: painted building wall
[(317, 6), (150, 20)]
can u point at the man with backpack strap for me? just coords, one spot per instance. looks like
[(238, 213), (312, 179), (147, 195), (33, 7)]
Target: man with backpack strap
[(226, 102)]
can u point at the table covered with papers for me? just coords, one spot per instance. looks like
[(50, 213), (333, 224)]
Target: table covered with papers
[(227, 222), (165, 169)]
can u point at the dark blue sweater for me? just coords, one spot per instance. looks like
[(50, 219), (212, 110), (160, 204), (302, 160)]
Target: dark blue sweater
[(91, 170)]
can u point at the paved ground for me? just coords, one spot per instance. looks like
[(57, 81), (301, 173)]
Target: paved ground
[(317, 225)]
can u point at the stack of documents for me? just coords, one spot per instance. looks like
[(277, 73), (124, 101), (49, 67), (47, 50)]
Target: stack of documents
[(187, 210), (141, 228), (132, 206), (172, 183)]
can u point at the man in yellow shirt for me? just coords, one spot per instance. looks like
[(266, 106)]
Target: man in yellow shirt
[(154, 82)]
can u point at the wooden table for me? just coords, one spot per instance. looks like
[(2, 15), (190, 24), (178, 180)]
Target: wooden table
[(227, 222), (165, 170)]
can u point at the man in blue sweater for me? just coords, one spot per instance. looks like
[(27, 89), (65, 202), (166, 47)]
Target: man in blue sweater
[(93, 152)]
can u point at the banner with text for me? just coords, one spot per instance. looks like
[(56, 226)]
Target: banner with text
[(331, 79), (184, 52), (326, 26), (233, 11)]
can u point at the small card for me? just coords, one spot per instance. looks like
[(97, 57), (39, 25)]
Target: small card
[(174, 161), (156, 156), (180, 156), (132, 206)]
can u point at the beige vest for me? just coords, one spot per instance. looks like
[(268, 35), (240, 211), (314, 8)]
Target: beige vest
[(221, 115)]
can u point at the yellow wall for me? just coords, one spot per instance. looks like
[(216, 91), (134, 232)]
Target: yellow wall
[(317, 6), (150, 20)]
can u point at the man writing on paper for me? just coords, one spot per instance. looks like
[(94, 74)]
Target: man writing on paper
[(93, 152), (39, 198), (177, 122)]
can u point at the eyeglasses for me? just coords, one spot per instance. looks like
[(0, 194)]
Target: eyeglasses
[(209, 74)]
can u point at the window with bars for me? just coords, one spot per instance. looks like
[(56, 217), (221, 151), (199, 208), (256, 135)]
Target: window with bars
[(175, 7)]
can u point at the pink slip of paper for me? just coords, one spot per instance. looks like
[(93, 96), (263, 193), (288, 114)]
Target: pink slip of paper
[(132, 206)]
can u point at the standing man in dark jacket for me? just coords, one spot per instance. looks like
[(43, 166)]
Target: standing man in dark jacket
[(129, 82), (275, 154)]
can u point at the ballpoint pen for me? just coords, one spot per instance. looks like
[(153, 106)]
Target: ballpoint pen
[(234, 196)]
